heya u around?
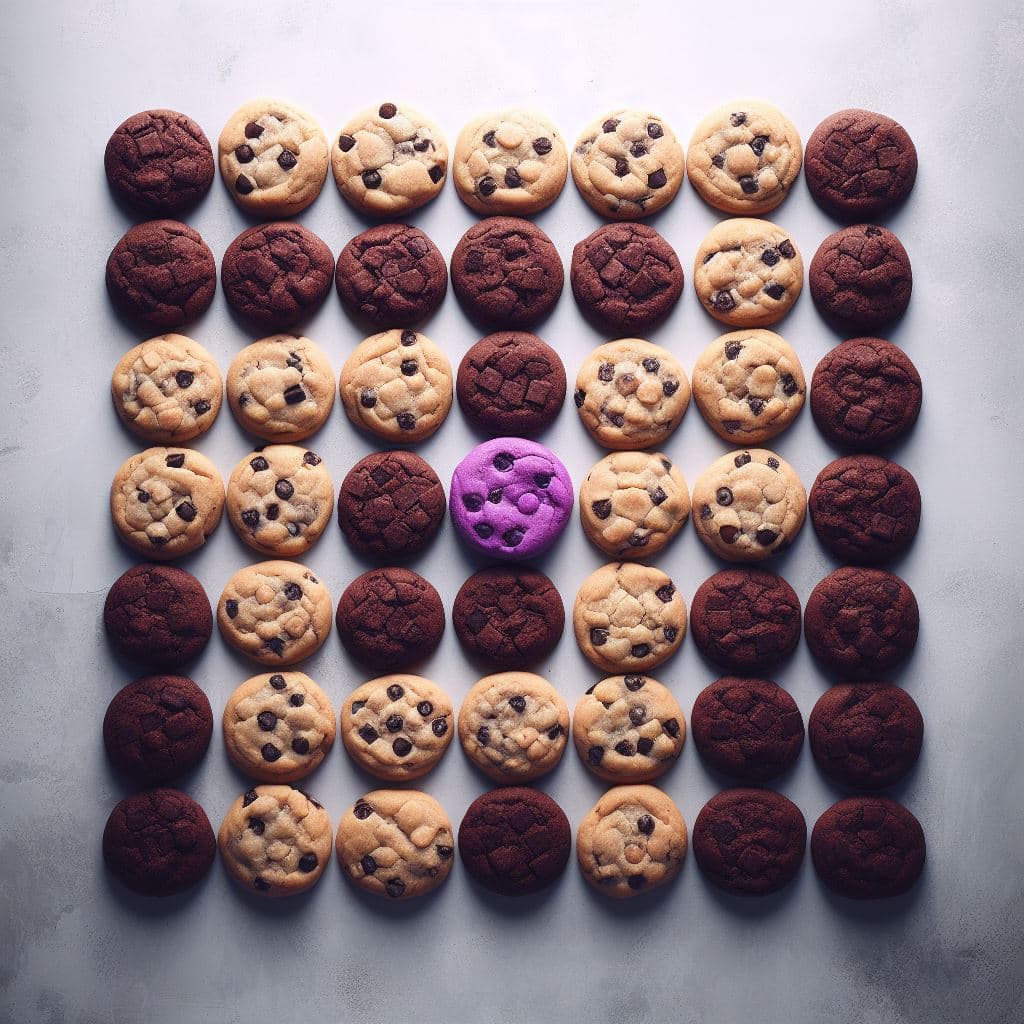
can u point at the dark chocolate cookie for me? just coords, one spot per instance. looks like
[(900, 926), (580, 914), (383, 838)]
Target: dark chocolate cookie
[(391, 275), (865, 393), (158, 615), (276, 275), (626, 276), (511, 384), (865, 509), (161, 274), (157, 728), (506, 273), (749, 842), (745, 620), (859, 164), (158, 842), (860, 277), (868, 848), (865, 735), (861, 622), (509, 618), (514, 840), (390, 619), (391, 505), (749, 729), (159, 161)]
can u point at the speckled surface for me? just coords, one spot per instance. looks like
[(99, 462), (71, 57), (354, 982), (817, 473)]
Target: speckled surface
[(76, 948)]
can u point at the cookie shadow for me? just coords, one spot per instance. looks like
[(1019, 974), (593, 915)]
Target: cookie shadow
[(871, 913), (516, 906), (754, 907), (152, 907)]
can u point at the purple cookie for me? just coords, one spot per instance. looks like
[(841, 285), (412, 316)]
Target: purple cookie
[(510, 498)]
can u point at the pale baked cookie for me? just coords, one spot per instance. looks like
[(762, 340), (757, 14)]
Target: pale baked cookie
[(744, 157), (280, 498), (275, 840), (633, 503), (628, 617), (509, 161), (631, 394), (389, 160), (273, 158), (277, 613), (748, 272), (514, 726), (628, 164), (278, 727), (398, 726), (633, 839), (749, 385), (396, 843), (167, 389), (165, 502), (397, 385), (628, 729), (281, 388), (748, 504)]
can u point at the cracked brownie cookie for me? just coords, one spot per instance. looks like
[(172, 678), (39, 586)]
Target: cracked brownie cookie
[(397, 843), (514, 726)]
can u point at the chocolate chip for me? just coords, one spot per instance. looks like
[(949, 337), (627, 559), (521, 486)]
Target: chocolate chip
[(300, 745), (787, 250), (722, 301), (368, 864), (658, 179), (368, 734), (512, 179), (756, 404), (439, 726), (202, 407), (579, 396), (249, 798), (651, 365), (770, 257), (705, 512), (670, 634), (184, 378), (488, 186), (484, 530), (766, 537), (757, 144), (723, 496), (387, 110), (517, 704), (542, 146), (253, 130), (671, 727), (244, 154), (395, 692), (636, 881), (231, 607), (638, 149), (639, 540), (284, 489), (260, 883), (658, 496), (272, 511), (742, 459), (513, 537), (775, 290), (503, 462), (729, 534), (258, 825), (610, 125), (243, 185), (665, 592), (542, 480), (489, 139), (634, 683), (621, 168), (637, 714), (311, 459), (292, 591), (473, 502), (293, 394), (394, 723), (297, 700), (409, 367), (345, 143), (294, 529), (644, 745), (555, 731), (394, 887), (357, 706), (606, 372), (617, 420), (372, 179), (645, 824), (718, 160), (670, 387), (654, 131), (267, 721), (773, 463), (401, 746), (277, 681), (175, 461), (602, 509), (595, 754), (625, 748), (436, 173), (270, 752), (187, 511), (749, 184), (737, 119), (362, 810), (276, 644), (445, 852), (598, 636), (405, 421), (789, 385), (483, 735), (640, 650), (259, 464), (408, 338)]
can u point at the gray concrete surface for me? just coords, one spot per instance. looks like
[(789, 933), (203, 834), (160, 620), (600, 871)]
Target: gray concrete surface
[(76, 948)]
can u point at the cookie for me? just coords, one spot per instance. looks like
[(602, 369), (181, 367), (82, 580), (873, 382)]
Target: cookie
[(631, 394), (865, 393), (391, 275), (628, 164), (280, 499), (397, 726), (749, 386), (514, 726), (276, 841), (396, 843), (632, 840), (161, 274), (391, 505), (745, 620), (868, 848), (508, 617), (510, 498), (273, 158), (158, 615), (744, 157), (276, 275), (276, 613), (511, 383), (281, 388), (389, 160), (506, 273), (861, 622), (865, 735), (390, 618), (859, 164), (165, 502), (515, 840), (167, 389), (628, 729), (748, 729), (398, 386), (159, 162), (158, 842), (860, 278), (748, 505), (748, 272), (626, 277), (509, 161), (278, 727), (865, 509), (749, 842), (157, 728)]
